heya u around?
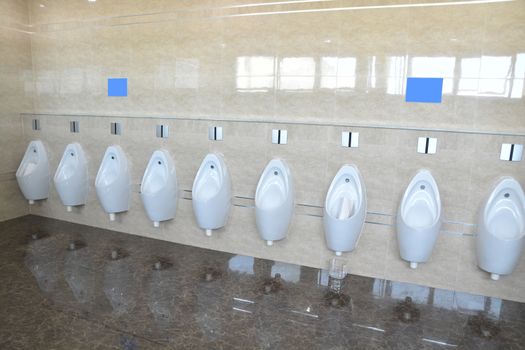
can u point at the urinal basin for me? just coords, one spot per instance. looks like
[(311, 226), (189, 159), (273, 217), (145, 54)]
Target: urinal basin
[(274, 201), (504, 224), (272, 197), (159, 190), (345, 210), (501, 229), (207, 187), (419, 219), (419, 214), (211, 193), (154, 184), (33, 173), (113, 181), (71, 177)]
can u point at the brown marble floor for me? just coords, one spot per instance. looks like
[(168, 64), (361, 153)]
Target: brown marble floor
[(117, 291)]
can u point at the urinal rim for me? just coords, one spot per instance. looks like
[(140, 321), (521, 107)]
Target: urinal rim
[(80, 154), (501, 184), (425, 175), (169, 163), (355, 174), (122, 157), (39, 145), (287, 180), (223, 172)]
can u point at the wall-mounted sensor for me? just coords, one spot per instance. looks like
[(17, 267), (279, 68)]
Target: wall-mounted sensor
[(427, 145), (74, 126), (511, 151), (162, 131), (349, 139), (215, 133), (116, 129), (35, 123), (279, 136)]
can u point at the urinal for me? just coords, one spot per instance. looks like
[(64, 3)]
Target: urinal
[(345, 210), (158, 190), (211, 193), (501, 228), (419, 219), (71, 177), (274, 199), (113, 182), (33, 173)]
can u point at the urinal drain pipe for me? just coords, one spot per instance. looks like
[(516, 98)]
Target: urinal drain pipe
[(494, 276)]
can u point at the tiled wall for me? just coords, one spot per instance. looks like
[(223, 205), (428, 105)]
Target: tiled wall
[(465, 167), (16, 85), (315, 68), (320, 61)]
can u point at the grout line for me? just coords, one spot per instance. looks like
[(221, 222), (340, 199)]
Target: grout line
[(8, 176), (288, 122)]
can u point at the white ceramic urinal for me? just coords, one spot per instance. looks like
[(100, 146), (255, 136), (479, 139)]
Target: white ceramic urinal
[(211, 193), (159, 190), (71, 177), (419, 219), (345, 210), (501, 228), (274, 201), (113, 182), (33, 173)]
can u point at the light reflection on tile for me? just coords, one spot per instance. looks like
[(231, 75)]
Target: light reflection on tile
[(315, 64), (205, 299)]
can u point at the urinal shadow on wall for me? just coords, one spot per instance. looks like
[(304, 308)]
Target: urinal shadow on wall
[(71, 177), (33, 175), (345, 210), (501, 228), (159, 190), (274, 201), (212, 194), (419, 219), (113, 184)]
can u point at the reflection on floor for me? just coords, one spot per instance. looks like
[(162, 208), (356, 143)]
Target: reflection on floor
[(67, 286)]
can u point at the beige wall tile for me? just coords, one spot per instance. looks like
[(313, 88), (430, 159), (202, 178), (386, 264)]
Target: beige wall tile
[(386, 158), (13, 204), (16, 90), (322, 71)]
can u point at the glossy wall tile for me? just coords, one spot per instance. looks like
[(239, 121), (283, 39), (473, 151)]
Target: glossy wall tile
[(465, 167), (315, 68), (316, 61), (16, 87)]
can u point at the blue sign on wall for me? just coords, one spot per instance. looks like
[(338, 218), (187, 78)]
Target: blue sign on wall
[(117, 86), (427, 90)]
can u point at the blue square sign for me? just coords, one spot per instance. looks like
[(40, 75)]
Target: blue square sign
[(426, 90), (117, 86)]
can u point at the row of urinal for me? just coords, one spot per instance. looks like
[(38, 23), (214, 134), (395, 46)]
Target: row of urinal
[(158, 189), (501, 225), (211, 192)]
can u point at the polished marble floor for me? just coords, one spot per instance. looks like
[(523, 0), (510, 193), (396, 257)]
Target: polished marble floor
[(67, 286)]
